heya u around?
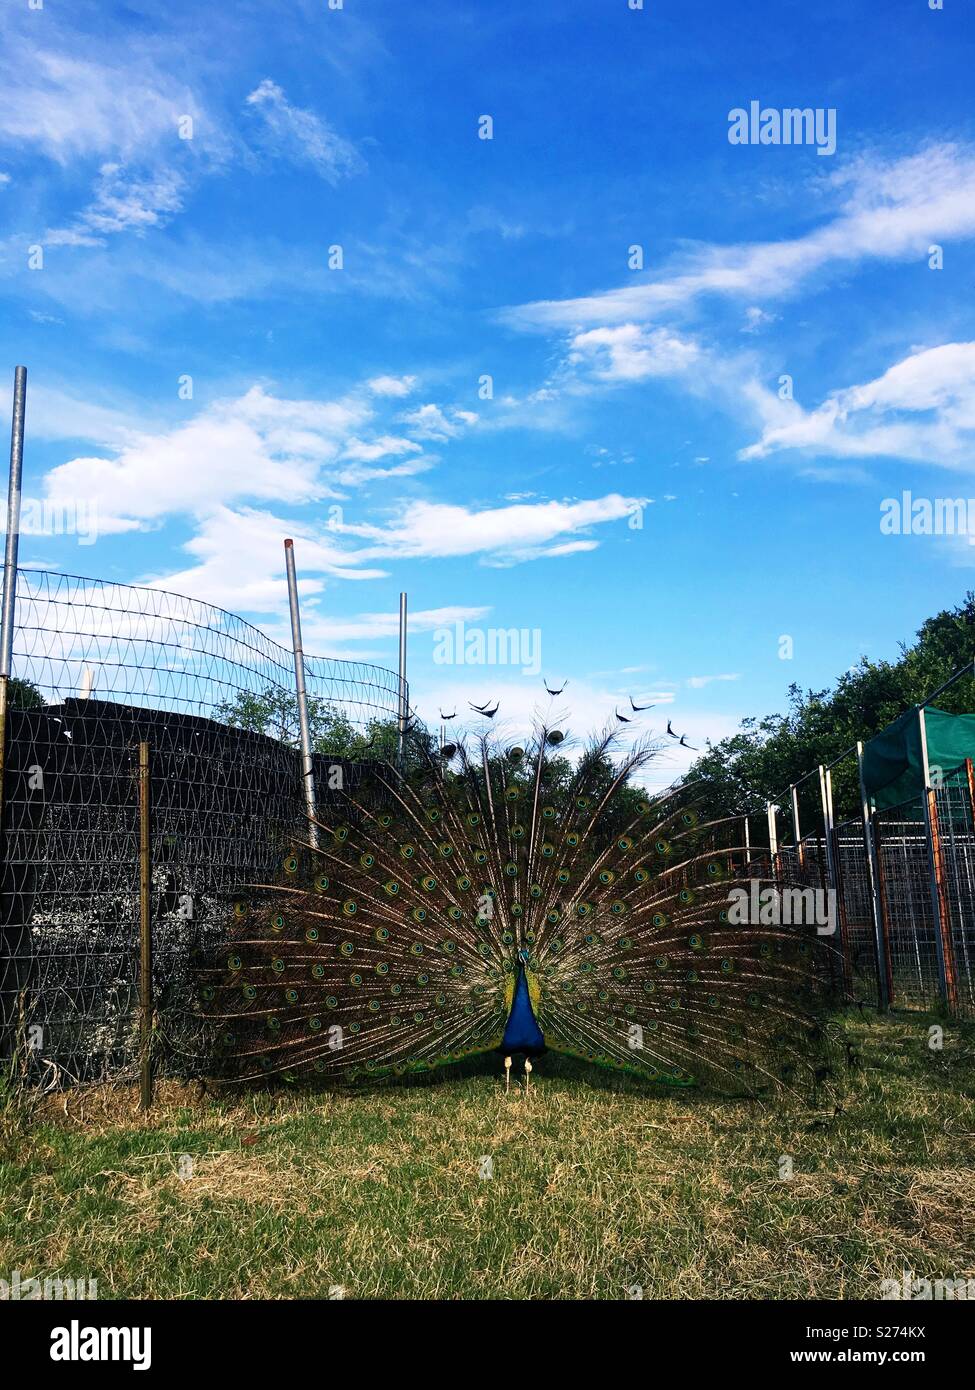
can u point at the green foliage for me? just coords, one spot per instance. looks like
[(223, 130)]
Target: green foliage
[(275, 712), (744, 771), (23, 695)]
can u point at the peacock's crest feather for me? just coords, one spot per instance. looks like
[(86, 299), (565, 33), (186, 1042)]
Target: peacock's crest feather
[(503, 898)]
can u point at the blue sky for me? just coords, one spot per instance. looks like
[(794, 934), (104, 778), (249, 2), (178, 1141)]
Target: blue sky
[(346, 407)]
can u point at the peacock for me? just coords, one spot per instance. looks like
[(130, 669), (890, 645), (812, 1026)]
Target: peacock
[(487, 897)]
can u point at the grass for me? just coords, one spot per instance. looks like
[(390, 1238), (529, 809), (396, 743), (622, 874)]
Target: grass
[(597, 1186)]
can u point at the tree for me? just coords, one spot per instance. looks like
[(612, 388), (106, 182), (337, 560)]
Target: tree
[(275, 712), (23, 694), (743, 772)]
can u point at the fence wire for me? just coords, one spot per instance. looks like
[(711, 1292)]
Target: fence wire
[(101, 667), (956, 830), (904, 889), (98, 668)]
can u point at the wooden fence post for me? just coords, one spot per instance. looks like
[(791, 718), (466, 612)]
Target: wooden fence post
[(944, 945)]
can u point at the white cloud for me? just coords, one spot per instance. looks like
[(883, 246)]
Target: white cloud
[(364, 627), (430, 422), (502, 534), (302, 136), (921, 408), (888, 210), (239, 565), (392, 385), (239, 557), (69, 107), (256, 446), (698, 682), (633, 353), (123, 202), (383, 447), (58, 415), (757, 318)]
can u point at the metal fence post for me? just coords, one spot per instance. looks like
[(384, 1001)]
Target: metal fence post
[(12, 936), (881, 946), (832, 875), (10, 555), (841, 916), (939, 899), (304, 730), (773, 838), (403, 696), (796, 834), (145, 933), (827, 827)]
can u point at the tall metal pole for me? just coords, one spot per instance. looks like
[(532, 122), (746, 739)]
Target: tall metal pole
[(773, 838), (308, 767), (796, 833), (145, 934), (826, 803), (13, 937), (10, 557), (403, 697)]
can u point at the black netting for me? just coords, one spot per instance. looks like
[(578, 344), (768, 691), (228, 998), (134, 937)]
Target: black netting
[(99, 668)]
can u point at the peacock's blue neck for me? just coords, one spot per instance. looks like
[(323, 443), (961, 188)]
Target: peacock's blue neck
[(521, 1032)]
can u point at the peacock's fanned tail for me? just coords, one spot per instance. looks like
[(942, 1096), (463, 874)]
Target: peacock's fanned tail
[(505, 899)]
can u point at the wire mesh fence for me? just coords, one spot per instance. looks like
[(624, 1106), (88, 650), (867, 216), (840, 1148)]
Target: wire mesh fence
[(101, 668), (855, 910), (98, 669), (903, 880), (906, 904), (956, 827)]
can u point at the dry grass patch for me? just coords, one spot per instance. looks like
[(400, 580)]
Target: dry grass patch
[(597, 1186)]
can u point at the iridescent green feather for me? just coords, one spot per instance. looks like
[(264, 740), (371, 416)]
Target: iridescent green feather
[(395, 944)]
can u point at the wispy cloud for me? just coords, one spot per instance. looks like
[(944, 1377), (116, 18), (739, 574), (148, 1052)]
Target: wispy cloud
[(238, 559), (431, 422), (391, 385), (123, 202), (71, 107), (501, 535), (631, 352), (699, 682), (302, 136), (921, 408), (888, 210)]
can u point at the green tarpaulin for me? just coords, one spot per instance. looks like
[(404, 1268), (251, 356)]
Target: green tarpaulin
[(892, 765)]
